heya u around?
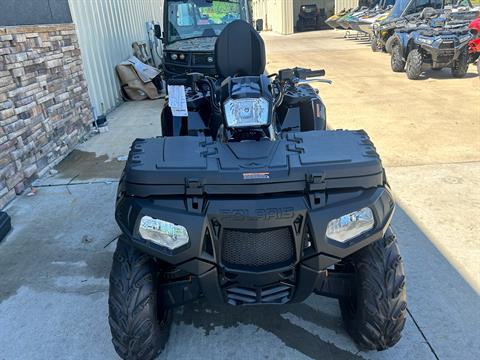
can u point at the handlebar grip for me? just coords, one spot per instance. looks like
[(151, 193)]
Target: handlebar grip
[(315, 73)]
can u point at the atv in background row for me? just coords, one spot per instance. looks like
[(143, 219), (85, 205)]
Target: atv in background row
[(474, 44), (407, 10), (432, 41)]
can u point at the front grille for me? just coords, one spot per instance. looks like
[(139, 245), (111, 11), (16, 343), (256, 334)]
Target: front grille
[(258, 250), (201, 59), (278, 294), (449, 44)]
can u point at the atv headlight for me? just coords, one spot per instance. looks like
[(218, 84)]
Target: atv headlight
[(425, 40), (351, 225), (163, 233), (246, 112)]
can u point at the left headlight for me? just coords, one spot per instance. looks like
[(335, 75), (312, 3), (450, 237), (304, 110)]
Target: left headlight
[(163, 233), (248, 112), (351, 225), (425, 40)]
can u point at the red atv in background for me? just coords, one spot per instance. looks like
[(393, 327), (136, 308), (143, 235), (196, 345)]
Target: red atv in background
[(474, 44)]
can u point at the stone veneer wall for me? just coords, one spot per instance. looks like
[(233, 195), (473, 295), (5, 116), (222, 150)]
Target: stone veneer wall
[(44, 103)]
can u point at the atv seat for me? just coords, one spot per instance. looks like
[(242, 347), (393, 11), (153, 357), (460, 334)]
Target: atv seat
[(240, 51)]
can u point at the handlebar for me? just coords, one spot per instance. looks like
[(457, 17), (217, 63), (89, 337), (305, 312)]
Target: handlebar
[(188, 80), (298, 74), (284, 79), (315, 73)]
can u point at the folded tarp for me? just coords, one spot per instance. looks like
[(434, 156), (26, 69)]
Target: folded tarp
[(136, 79)]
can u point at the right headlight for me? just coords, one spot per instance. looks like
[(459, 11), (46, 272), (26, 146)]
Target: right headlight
[(464, 38), (247, 112), (349, 226)]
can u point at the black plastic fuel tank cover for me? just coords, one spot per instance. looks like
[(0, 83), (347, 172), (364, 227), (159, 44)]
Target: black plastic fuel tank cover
[(343, 159)]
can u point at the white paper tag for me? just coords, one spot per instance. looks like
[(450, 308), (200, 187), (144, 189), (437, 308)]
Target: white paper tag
[(177, 100)]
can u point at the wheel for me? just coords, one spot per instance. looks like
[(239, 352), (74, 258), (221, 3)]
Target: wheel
[(414, 64), (374, 44), (389, 44), (139, 325), (397, 62), (299, 26), (460, 67), (375, 315)]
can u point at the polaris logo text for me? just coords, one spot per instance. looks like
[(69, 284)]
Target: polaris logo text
[(258, 214), (256, 175)]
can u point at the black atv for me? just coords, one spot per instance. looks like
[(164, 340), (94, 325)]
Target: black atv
[(433, 43), (263, 207), (405, 11), (402, 12)]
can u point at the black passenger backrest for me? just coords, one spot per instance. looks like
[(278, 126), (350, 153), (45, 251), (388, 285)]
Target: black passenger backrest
[(240, 50)]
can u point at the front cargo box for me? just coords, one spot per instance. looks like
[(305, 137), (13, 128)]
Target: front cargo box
[(309, 161)]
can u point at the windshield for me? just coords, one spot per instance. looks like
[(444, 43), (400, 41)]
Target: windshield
[(200, 18), (414, 6)]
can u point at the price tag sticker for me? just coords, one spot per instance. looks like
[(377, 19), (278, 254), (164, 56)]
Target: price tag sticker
[(177, 100)]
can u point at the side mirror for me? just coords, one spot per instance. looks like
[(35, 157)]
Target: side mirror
[(259, 25), (157, 29)]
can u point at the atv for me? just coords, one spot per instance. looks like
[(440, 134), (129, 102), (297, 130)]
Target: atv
[(402, 11), (409, 10), (251, 201), (431, 44), (474, 44)]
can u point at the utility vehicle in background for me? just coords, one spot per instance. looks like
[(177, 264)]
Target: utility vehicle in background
[(190, 29), (310, 17), (252, 202)]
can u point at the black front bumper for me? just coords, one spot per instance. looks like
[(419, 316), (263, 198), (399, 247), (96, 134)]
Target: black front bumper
[(288, 233), (444, 53)]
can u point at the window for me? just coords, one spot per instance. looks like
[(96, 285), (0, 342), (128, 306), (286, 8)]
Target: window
[(185, 15), (201, 18)]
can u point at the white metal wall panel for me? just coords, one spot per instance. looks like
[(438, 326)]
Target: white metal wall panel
[(277, 15), (345, 5), (106, 30)]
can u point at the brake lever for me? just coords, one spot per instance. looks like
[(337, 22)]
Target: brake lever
[(308, 81)]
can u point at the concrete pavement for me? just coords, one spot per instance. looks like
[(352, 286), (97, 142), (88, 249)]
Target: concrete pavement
[(53, 298)]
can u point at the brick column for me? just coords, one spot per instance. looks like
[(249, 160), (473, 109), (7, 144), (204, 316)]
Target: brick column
[(44, 102)]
